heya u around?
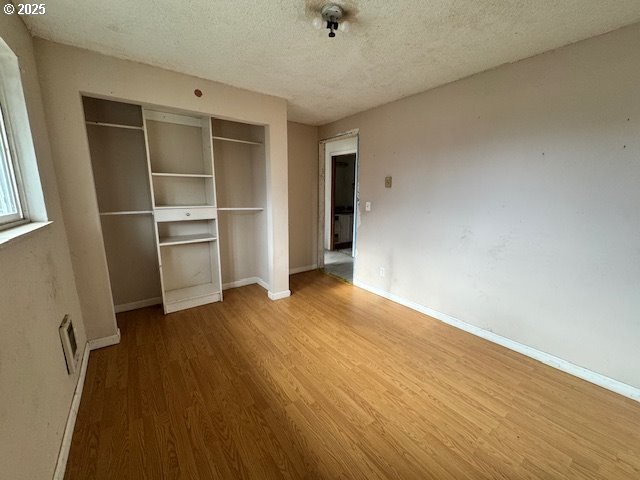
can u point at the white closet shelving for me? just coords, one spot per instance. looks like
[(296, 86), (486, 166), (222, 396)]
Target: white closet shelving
[(181, 173), (162, 179)]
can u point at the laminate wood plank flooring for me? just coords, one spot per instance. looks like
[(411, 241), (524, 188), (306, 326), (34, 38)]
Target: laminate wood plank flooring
[(335, 382)]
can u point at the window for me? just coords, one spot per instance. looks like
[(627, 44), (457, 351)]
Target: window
[(10, 204), (22, 206)]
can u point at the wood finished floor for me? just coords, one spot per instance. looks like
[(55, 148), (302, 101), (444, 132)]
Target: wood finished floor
[(335, 382)]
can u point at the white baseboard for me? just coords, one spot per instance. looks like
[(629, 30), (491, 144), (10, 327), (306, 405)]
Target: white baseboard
[(307, 268), (546, 358), (244, 282), (125, 307), (104, 341), (279, 295), (63, 455)]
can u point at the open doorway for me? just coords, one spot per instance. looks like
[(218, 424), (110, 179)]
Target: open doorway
[(339, 202)]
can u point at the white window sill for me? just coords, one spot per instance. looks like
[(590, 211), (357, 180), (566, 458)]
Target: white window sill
[(12, 234)]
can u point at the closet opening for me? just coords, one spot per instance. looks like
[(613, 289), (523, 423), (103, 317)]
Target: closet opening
[(181, 199), (339, 202)]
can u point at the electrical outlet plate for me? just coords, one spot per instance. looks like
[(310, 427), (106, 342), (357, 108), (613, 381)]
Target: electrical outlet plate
[(387, 182)]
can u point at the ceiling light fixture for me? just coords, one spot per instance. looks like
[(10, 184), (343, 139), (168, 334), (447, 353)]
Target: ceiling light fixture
[(332, 15)]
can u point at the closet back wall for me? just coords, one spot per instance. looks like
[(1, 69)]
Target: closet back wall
[(67, 72)]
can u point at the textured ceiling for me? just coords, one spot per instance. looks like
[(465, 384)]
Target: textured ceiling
[(395, 48)]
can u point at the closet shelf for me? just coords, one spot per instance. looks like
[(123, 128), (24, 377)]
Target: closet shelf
[(116, 125), (236, 140), (186, 239), (170, 207), (190, 293), (241, 209), (128, 212), (184, 175)]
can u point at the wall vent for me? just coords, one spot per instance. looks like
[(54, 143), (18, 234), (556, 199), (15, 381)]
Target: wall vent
[(69, 343)]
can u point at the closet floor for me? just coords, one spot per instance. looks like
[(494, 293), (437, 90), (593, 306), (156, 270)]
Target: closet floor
[(335, 382)]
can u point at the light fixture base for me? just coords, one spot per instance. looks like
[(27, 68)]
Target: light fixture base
[(331, 15), (332, 12)]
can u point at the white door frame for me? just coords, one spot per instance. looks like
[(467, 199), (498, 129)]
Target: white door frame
[(321, 191)]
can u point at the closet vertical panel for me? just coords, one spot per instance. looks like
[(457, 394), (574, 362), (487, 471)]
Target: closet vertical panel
[(260, 193), (156, 243), (208, 155)]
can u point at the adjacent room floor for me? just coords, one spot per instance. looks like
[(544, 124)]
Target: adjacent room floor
[(339, 263), (336, 382)]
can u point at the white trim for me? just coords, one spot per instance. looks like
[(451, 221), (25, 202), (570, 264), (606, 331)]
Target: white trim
[(546, 358), (341, 135), (63, 455), (11, 234), (306, 268), (240, 283), (104, 341), (125, 307), (279, 295), (348, 151), (244, 282), (322, 153)]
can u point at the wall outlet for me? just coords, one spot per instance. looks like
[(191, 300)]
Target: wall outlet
[(382, 271), (387, 182), (367, 206)]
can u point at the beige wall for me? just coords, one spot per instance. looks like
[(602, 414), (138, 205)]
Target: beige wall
[(65, 73), (515, 201), (37, 289), (303, 195)]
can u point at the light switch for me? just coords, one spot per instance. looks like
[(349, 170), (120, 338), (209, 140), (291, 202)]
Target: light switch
[(367, 206), (387, 182)]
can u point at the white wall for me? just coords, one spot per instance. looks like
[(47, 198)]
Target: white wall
[(37, 288), (66, 72), (303, 195), (515, 201)]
